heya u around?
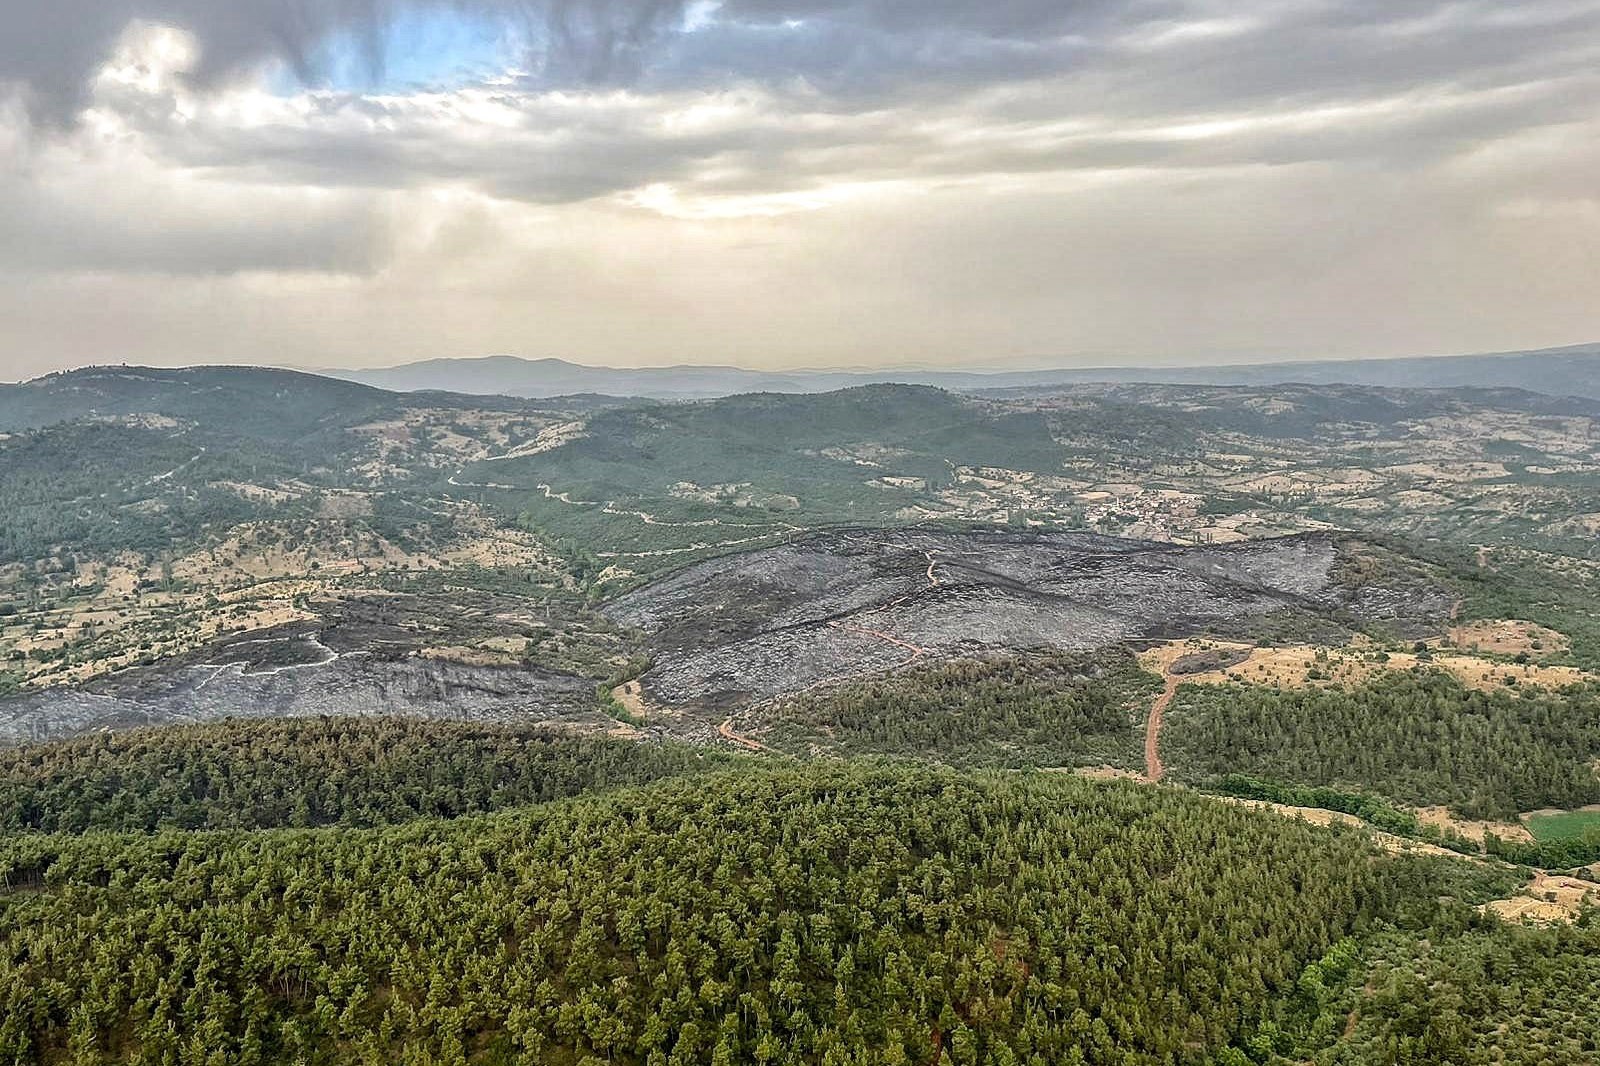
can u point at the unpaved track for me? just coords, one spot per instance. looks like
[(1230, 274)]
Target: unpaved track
[(878, 634), (726, 732), (782, 529), (1153, 770)]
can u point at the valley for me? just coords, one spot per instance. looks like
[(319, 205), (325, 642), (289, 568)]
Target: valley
[(1352, 628), (799, 533), (342, 550)]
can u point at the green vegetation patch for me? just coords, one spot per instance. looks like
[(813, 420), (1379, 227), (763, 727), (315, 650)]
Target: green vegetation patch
[(314, 772), (1468, 992), (1563, 826), (1041, 710), (753, 468), (1420, 738), (819, 914), (1553, 590)]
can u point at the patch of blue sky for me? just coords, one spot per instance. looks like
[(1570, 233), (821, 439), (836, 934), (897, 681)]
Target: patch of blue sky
[(422, 47), (698, 14)]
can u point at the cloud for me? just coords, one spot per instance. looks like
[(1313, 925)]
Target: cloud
[(54, 49), (839, 46), (753, 180), (122, 216)]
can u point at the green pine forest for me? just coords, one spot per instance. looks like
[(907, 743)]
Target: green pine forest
[(374, 891), (1047, 709), (1417, 738)]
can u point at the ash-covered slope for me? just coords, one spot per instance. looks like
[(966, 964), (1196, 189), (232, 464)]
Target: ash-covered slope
[(842, 604), (299, 673)]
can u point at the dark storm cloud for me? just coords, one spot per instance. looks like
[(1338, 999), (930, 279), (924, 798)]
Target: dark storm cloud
[(53, 48), (828, 92)]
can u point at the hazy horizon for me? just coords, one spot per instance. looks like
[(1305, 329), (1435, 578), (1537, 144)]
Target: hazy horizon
[(971, 367), (786, 184)]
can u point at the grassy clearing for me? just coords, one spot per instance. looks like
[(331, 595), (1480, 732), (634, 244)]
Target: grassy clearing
[(1558, 827)]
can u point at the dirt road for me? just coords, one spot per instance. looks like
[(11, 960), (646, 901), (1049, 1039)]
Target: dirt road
[(1153, 770), (878, 634), (726, 732)]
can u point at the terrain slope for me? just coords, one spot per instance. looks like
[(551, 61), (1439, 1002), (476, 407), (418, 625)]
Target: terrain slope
[(843, 604)]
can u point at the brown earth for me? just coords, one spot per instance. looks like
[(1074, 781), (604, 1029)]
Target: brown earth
[(631, 695), (1442, 818), (1508, 636), (727, 732), (1105, 773), (1293, 667), (1548, 898), (1153, 770)]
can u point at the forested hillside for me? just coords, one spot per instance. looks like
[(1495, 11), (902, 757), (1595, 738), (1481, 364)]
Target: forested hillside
[(812, 915), (316, 772), (747, 706), (825, 913), (1420, 738), (1482, 995), (1028, 711)]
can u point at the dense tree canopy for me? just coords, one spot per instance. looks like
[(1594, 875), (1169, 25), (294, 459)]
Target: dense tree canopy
[(313, 772), (1044, 709), (825, 914), (1419, 738), (1463, 991)]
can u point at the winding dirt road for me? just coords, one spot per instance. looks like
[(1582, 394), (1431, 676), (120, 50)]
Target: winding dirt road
[(878, 634)]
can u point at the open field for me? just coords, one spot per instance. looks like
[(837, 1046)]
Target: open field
[(1563, 825), (1548, 898), (1299, 666), (1509, 637), (1473, 829)]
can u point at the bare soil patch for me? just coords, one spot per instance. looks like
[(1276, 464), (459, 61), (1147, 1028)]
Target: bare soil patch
[(1547, 899), (1153, 770), (1107, 773), (1508, 636), (1396, 845), (727, 732), (1301, 666), (468, 655), (631, 695), (1475, 831)]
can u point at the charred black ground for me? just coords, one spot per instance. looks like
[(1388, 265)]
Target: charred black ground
[(845, 604)]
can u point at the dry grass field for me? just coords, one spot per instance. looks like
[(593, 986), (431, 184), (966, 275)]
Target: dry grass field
[(1303, 665)]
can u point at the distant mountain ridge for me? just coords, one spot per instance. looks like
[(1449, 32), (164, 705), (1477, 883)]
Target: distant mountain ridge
[(1570, 371)]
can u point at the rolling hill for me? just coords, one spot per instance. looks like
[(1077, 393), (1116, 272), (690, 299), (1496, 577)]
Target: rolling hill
[(1571, 371)]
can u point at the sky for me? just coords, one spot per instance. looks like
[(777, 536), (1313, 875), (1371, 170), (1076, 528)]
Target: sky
[(795, 183)]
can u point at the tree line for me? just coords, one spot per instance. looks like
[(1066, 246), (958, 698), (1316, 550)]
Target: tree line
[(1039, 709)]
